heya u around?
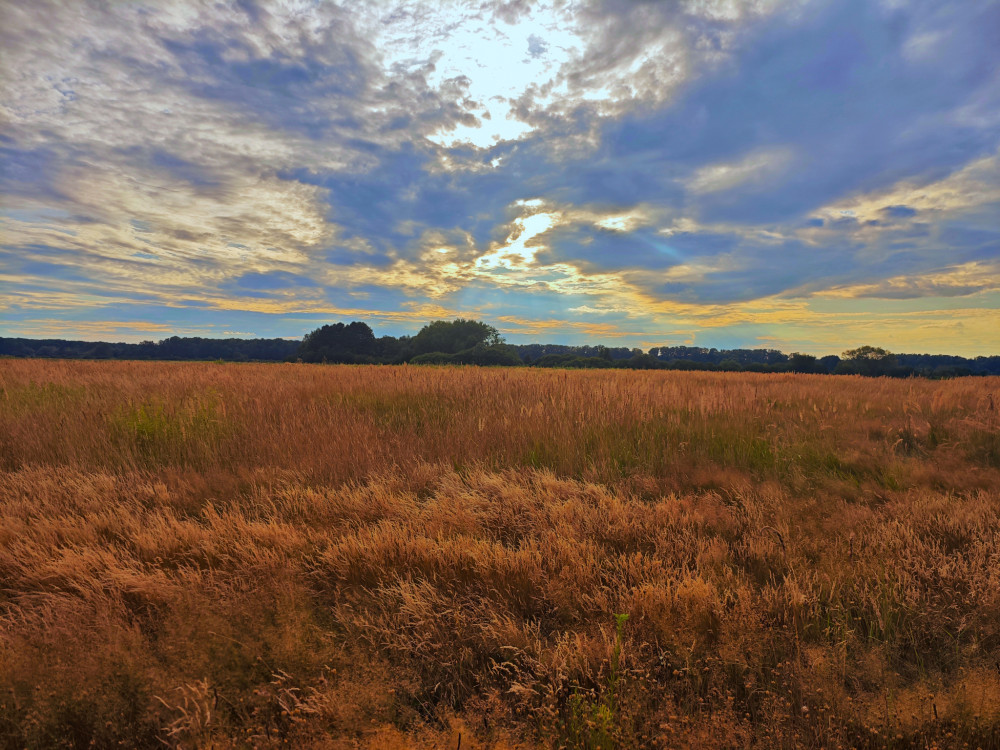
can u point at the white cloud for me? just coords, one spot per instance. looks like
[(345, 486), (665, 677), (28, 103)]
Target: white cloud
[(495, 59), (516, 252), (755, 166)]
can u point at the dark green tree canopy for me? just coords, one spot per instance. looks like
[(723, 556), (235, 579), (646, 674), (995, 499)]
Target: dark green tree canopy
[(867, 353), (455, 336), (799, 362), (870, 360), (353, 342)]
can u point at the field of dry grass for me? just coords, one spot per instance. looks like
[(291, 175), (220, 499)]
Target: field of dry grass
[(202, 555)]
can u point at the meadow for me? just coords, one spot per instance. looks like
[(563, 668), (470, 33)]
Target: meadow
[(272, 555)]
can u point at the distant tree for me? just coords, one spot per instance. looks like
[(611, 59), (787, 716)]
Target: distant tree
[(480, 354), (867, 353), (948, 371), (640, 361), (433, 358), (589, 362), (730, 365), (353, 342), (829, 363), (553, 360), (799, 362), (868, 360), (533, 352), (101, 350), (392, 350), (489, 356), (602, 352), (455, 336), (686, 364)]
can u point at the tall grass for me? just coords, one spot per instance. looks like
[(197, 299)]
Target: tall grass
[(262, 555)]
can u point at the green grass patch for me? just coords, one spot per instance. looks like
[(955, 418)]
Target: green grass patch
[(41, 396), (156, 433)]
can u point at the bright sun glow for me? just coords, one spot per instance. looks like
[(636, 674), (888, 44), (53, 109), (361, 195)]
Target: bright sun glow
[(516, 253), (500, 62)]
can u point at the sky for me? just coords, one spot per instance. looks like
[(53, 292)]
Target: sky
[(802, 175)]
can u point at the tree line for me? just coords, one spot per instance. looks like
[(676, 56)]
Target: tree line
[(173, 348), (472, 342)]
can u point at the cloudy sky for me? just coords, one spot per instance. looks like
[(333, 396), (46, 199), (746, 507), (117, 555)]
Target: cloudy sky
[(809, 176)]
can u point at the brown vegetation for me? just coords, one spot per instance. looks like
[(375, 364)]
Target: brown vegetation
[(204, 555)]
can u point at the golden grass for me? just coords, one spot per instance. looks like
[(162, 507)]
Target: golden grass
[(205, 555)]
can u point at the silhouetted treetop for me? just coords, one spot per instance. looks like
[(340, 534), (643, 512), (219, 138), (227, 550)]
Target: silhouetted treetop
[(867, 352), (455, 336), (338, 342)]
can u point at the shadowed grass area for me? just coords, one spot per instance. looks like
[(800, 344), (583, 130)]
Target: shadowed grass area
[(262, 556)]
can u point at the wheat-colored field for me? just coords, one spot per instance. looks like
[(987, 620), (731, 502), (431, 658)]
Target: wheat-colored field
[(204, 555)]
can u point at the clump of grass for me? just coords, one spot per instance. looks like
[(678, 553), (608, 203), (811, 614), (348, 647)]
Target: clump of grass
[(155, 432)]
